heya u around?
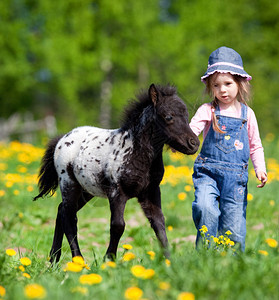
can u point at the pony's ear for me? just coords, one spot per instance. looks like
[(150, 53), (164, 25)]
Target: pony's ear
[(153, 94)]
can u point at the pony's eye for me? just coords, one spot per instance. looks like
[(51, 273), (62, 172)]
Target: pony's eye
[(168, 118)]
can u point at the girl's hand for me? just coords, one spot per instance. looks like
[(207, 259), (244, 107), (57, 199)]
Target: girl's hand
[(262, 176)]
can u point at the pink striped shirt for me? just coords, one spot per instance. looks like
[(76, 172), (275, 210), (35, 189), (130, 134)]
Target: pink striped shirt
[(202, 121)]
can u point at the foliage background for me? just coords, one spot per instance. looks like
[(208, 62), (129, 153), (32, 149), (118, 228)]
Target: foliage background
[(81, 60)]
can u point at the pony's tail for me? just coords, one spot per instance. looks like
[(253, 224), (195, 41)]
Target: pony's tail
[(48, 179)]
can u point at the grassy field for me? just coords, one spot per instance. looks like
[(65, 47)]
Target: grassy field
[(140, 271)]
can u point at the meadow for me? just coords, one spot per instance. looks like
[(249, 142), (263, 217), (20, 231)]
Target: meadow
[(140, 270)]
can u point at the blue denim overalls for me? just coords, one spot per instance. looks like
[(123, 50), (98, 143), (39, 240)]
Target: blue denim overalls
[(220, 179)]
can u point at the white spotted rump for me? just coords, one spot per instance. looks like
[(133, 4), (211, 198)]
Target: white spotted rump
[(94, 155)]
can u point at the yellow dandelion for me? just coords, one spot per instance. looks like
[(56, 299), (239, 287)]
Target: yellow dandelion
[(186, 296), (16, 192), (250, 197), (30, 188), (263, 252), (133, 293), (20, 215), (9, 184), (10, 252), (271, 243), (2, 193), (22, 269), (127, 247), (170, 228), (164, 286), (26, 275), (203, 229), (271, 202), (21, 169), (215, 240), (73, 267), (182, 196), (79, 260), (110, 264), (151, 254), (34, 291), (228, 232), (167, 262), (137, 270), (80, 289), (25, 261), (148, 273), (2, 291), (188, 188), (90, 279), (128, 256)]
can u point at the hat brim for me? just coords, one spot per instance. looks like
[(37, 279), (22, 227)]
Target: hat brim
[(225, 69)]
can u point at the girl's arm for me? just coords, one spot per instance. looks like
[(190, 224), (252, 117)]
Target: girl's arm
[(256, 148), (201, 119)]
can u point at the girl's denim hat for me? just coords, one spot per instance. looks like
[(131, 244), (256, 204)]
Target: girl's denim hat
[(225, 60)]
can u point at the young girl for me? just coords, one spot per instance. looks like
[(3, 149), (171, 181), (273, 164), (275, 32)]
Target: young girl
[(231, 136)]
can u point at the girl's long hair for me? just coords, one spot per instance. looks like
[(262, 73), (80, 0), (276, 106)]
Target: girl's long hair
[(243, 96)]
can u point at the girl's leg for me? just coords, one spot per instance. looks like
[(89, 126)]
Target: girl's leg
[(205, 208), (233, 204)]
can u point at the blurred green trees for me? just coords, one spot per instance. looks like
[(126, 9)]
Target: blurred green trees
[(81, 60)]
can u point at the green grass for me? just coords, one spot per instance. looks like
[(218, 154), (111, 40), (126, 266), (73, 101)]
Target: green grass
[(27, 227)]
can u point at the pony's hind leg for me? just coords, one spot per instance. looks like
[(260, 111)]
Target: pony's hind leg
[(55, 251)]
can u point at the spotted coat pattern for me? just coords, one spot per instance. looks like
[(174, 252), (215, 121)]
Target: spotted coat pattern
[(94, 156)]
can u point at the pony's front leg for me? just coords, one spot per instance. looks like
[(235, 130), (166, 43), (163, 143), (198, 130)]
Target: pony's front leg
[(150, 202), (117, 225)]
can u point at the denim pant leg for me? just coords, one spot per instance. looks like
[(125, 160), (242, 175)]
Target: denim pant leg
[(205, 207), (233, 204)]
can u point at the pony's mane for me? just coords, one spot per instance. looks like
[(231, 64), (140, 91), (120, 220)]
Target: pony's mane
[(136, 106)]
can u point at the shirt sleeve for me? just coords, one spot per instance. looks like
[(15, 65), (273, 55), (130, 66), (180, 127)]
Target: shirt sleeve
[(202, 119), (256, 148)]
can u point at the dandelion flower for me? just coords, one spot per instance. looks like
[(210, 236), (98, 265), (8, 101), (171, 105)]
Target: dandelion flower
[(34, 291), (186, 296), (133, 293), (26, 275), (250, 197), (2, 291), (182, 196), (228, 232), (80, 289), (170, 228), (168, 262), (22, 269), (148, 273), (203, 229), (73, 267), (30, 188), (127, 247), (90, 279), (110, 264), (215, 240), (187, 188), (164, 286), (10, 252), (151, 254), (263, 252), (138, 270), (128, 256), (271, 202), (2, 193), (25, 261), (271, 243)]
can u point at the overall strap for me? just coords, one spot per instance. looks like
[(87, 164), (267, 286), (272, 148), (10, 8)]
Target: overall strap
[(243, 112)]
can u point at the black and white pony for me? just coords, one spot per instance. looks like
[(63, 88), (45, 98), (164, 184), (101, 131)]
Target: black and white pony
[(118, 164)]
